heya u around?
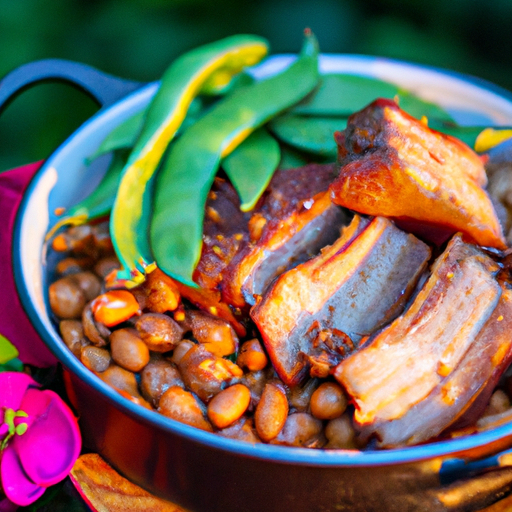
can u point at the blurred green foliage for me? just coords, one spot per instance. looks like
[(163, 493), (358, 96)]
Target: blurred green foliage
[(137, 39)]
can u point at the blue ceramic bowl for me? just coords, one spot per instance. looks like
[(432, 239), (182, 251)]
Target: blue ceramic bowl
[(205, 472)]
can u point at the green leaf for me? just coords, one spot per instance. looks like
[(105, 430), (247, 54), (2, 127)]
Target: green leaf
[(310, 134), (14, 365), (7, 350), (251, 165)]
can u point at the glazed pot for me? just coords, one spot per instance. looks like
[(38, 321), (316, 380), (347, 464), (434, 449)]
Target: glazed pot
[(204, 472)]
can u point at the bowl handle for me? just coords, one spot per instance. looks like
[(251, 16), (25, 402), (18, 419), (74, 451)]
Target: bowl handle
[(104, 88)]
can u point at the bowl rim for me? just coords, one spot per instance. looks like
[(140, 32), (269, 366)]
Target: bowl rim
[(262, 451)]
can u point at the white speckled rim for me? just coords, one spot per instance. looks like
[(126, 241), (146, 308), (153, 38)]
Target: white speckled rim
[(65, 178)]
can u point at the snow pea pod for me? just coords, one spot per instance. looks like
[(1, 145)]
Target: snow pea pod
[(188, 172), (209, 66), (251, 166)]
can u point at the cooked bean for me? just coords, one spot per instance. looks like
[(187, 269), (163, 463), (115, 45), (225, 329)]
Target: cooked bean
[(121, 380), (106, 265), (498, 403), (158, 331), (206, 374), (340, 433), (229, 405), (67, 300), (328, 401), (72, 333), (78, 239), (88, 282), (299, 396), (271, 412), (157, 377), (256, 382), (215, 334), (114, 307), (101, 237), (97, 333), (162, 292), (242, 430), (71, 265), (181, 349), (181, 405), (252, 356), (95, 358), (301, 429), (128, 350)]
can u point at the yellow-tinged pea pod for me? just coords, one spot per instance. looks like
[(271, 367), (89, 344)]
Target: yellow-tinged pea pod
[(491, 137), (209, 67), (188, 171)]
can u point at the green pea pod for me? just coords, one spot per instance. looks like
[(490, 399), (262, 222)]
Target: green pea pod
[(251, 165), (291, 158), (310, 134), (181, 83), (342, 94), (99, 202), (187, 175)]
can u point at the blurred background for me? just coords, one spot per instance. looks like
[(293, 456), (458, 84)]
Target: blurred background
[(137, 39)]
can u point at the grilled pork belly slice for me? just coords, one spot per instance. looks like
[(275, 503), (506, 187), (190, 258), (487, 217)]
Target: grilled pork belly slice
[(316, 312), (393, 165), (405, 363), (470, 384), (294, 220)]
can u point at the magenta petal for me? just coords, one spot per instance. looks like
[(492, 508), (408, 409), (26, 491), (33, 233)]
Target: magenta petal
[(13, 386), (17, 486), (52, 442)]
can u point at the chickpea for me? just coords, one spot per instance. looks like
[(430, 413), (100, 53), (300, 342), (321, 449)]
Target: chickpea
[(157, 377), (340, 433), (67, 299), (158, 331), (181, 405), (300, 429), (252, 356), (271, 412), (72, 333), (229, 405), (328, 401), (95, 358), (128, 350)]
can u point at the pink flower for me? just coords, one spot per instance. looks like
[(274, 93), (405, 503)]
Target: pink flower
[(39, 438)]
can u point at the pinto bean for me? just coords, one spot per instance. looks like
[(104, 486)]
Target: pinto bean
[(128, 350), (300, 429), (95, 358), (157, 377), (181, 349), (121, 380), (206, 374), (271, 412), (242, 430), (97, 333), (252, 356), (181, 405), (158, 331), (215, 334), (229, 405), (328, 401), (72, 333), (299, 396), (67, 299), (89, 283), (340, 433)]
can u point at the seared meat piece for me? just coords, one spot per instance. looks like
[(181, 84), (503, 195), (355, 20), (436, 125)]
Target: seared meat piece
[(225, 231), (430, 183), (468, 387), (294, 221), (410, 361), (316, 312)]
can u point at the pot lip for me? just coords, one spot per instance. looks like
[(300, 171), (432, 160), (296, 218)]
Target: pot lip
[(270, 453)]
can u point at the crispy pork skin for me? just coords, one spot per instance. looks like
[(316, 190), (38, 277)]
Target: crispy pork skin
[(393, 165), (317, 312), (395, 379), (295, 219)]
